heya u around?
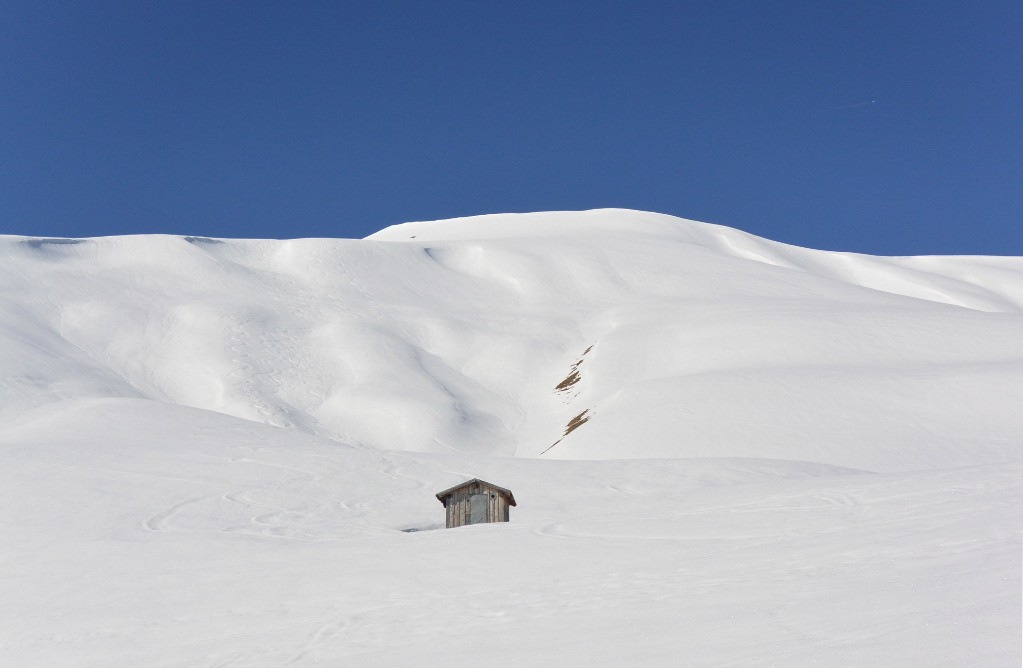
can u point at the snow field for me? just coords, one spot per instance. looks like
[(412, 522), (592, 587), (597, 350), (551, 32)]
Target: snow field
[(213, 449), (182, 537)]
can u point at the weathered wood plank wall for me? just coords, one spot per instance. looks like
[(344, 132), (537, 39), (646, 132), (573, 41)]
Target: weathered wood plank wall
[(459, 505)]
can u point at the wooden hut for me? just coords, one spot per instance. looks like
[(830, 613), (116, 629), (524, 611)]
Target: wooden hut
[(475, 502)]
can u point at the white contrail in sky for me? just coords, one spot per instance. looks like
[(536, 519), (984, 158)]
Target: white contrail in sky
[(858, 104)]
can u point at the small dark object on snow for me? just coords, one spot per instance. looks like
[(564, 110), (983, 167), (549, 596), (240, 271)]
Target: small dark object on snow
[(475, 502)]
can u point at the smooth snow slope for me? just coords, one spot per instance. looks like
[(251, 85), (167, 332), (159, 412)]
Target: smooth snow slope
[(452, 337), (782, 456)]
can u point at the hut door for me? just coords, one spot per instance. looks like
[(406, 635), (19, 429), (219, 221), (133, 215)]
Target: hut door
[(477, 508)]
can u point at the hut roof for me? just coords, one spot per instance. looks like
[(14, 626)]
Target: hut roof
[(449, 490)]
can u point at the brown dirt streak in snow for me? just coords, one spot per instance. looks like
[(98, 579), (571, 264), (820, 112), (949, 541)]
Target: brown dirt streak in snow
[(569, 381), (577, 421), (572, 425), (573, 375)]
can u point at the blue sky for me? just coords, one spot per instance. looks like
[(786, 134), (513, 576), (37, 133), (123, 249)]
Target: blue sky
[(880, 127)]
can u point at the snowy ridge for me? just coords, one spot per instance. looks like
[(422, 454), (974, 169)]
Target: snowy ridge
[(459, 335), (726, 450)]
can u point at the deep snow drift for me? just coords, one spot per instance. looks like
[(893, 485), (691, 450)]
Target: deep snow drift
[(774, 454)]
